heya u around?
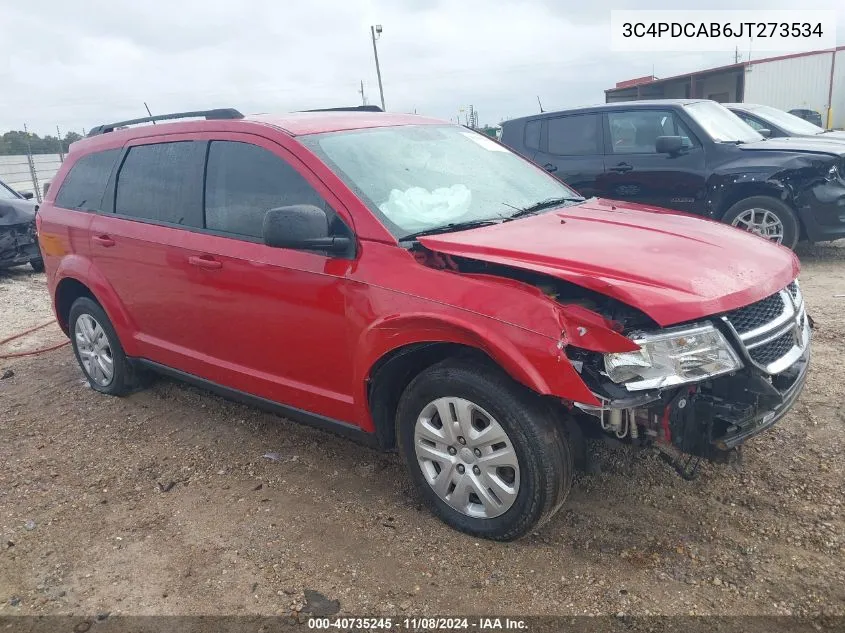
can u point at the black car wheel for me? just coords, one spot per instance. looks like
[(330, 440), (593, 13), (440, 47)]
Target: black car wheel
[(487, 455), (767, 217)]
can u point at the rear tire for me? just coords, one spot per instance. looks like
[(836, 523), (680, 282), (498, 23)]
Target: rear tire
[(98, 350), (501, 468), (37, 265), (767, 217)]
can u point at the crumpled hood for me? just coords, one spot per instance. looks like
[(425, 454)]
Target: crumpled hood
[(817, 144), (674, 267), (16, 212)]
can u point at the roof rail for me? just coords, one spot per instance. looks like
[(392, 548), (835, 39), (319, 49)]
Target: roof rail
[(220, 113), (360, 108)]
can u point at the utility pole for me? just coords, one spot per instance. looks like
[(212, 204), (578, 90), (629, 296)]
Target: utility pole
[(61, 145), (32, 171), (373, 31), (363, 96), (736, 55)]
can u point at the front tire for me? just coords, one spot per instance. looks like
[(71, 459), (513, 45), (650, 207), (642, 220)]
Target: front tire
[(98, 350), (37, 265), (486, 454), (767, 217)]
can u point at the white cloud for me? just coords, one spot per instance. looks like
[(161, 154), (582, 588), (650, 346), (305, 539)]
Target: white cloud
[(76, 64)]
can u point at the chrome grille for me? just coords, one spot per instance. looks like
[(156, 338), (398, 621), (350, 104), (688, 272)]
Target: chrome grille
[(751, 317), (773, 332), (772, 351)]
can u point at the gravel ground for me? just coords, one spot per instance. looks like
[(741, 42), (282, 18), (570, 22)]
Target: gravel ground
[(165, 502)]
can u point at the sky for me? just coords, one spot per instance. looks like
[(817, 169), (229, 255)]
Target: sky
[(77, 64)]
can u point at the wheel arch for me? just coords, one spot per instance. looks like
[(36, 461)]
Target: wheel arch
[(70, 286), (68, 290), (743, 187), (391, 356)]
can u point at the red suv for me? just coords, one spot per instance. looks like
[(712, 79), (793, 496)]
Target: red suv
[(418, 286)]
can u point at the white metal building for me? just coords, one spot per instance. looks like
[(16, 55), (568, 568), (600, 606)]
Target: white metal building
[(813, 80)]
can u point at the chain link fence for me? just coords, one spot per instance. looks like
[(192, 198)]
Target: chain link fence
[(27, 173)]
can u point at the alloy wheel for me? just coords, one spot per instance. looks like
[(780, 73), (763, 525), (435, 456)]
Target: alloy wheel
[(761, 222), (94, 350), (466, 457)]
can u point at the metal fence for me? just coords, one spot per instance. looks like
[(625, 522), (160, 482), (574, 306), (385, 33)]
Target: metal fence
[(29, 172)]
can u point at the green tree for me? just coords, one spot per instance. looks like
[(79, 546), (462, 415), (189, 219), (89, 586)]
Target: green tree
[(17, 142)]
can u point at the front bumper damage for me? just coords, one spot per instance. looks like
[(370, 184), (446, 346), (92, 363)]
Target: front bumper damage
[(713, 418)]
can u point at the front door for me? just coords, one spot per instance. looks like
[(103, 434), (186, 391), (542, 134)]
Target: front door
[(636, 172), (268, 321)]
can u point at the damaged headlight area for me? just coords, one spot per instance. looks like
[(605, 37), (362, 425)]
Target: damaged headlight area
[(673, 357)]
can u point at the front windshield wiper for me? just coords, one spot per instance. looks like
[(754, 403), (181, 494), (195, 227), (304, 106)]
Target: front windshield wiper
[(543, 204), (448, 228)]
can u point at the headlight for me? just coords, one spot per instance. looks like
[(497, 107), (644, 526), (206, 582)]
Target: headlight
[(673, 357)]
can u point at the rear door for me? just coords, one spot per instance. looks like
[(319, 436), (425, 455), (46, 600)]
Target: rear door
[(523, 137), (637, 173), (138, 243), (571, 149)]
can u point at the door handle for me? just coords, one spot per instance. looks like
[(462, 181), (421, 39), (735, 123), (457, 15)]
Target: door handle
[(621, 168), (205, 261), (550, 168), (103, 240)]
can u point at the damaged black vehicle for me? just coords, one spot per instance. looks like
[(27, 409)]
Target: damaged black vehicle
[(18, 238), (696, 156)]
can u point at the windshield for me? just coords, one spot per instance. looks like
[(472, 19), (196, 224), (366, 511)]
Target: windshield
[(788, 122), (6, 193), (721, 124), (420, 177)]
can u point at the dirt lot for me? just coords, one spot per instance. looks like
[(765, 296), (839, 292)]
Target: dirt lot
[(164, 503)]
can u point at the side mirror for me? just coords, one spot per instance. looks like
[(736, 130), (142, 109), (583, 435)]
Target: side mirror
[(303, 227), (764, 132), (669, 144), (27, 195)]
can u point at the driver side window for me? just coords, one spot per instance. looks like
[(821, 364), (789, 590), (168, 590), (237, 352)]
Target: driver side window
[(750, 121), (636, 131), (244, 181)]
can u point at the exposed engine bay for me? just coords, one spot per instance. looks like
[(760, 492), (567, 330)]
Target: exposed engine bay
[(696, 390)]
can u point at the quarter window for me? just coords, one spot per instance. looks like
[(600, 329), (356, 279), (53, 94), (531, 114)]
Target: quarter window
[(245, 181), (84, 186), (163, 183)]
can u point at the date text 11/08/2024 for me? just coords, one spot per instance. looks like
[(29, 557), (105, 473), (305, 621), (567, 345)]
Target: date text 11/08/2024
[(418, 624)]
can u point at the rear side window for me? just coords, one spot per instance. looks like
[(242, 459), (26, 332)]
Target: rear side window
[(245, 181), (163, 183), (532, 134), (85, 184), (575, 135)]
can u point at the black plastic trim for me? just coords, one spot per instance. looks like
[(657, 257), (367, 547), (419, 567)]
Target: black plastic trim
[(344, 429)]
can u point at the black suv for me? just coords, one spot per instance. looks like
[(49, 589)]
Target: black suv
[(694, 156)]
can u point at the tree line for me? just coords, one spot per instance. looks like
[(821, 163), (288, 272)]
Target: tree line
[(18, 142)]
